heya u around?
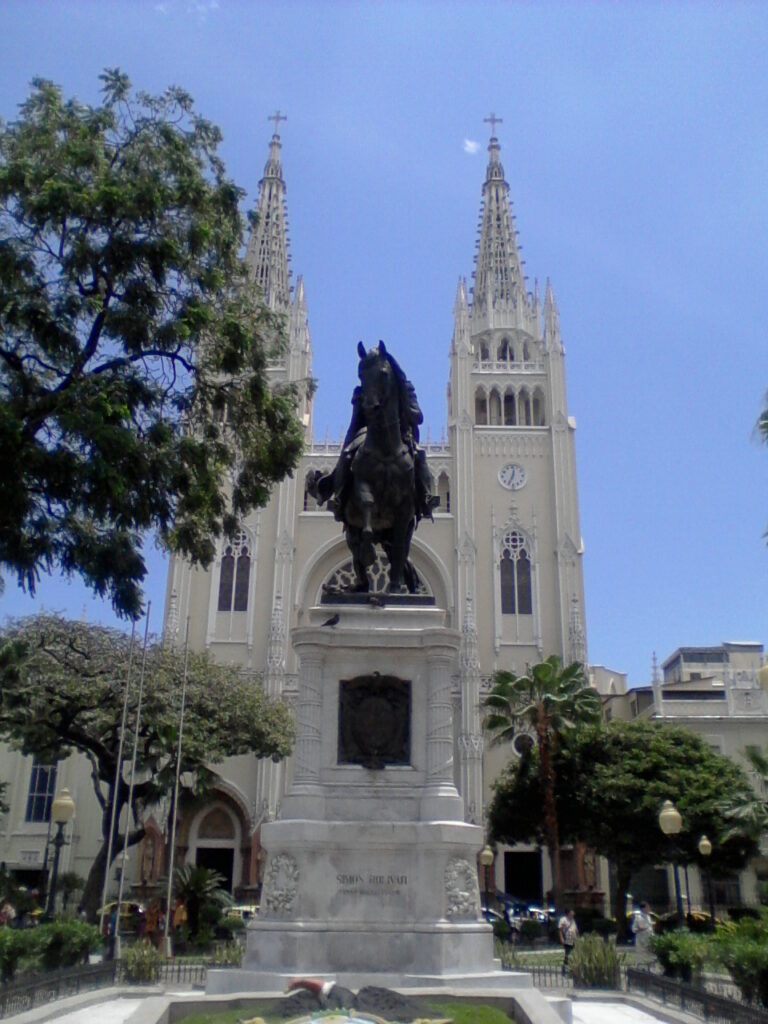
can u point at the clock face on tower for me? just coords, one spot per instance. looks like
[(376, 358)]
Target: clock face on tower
[(512, 476)]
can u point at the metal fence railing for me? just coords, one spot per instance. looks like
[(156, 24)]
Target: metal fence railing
[(709, 1006), (20, 996), (183, 972), (26, 994), (549, 976)]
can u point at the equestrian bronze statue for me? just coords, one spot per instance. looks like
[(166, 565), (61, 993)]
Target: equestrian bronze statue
[(381, 486)]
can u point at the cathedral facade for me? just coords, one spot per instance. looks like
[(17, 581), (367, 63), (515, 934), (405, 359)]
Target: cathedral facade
[(502, 560), (503, 557)]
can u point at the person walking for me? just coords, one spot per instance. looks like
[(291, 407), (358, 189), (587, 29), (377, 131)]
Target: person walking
[(568, 935), (642, 929)]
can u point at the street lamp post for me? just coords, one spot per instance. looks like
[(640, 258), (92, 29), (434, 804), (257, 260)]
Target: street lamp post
[(705, 849), (62, 810), (486, 859), (671, 823)]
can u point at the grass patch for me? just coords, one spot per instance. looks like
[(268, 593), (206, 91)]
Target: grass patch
[(236, 1015), (469, 1013), (460, 1013)]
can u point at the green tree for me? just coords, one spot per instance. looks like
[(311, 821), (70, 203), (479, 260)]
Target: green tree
[(133, 347), (62, 688), (550, 700), (611, 783)]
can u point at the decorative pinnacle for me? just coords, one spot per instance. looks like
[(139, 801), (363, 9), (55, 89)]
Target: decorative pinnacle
[(493, 121), (277, 117)]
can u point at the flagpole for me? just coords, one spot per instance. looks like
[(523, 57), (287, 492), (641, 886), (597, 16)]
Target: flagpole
[(166, 937), (118, 780), (129, 808)]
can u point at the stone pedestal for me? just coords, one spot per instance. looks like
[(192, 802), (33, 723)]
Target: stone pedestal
[(371, 870)]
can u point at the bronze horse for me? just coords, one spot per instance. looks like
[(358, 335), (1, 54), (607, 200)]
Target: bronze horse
[(380, 486)]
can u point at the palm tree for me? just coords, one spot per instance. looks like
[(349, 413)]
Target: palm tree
[(750, 816), (196, 886), (549, 699)]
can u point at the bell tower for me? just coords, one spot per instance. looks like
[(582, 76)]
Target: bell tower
[(517, 539)]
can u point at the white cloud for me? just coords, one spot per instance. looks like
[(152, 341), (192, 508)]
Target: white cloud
[(202, 8), (471, 147)]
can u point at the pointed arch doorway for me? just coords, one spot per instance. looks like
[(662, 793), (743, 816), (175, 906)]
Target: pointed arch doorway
[(215, 842)]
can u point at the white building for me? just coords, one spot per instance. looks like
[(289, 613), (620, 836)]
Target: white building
[(720, 694), (503, 557)]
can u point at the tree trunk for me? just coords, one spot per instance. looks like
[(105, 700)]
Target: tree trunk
[(551, 828), (90, 901)]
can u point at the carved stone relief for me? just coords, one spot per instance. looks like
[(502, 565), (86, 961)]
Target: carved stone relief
[(281, 885), (462, 894)]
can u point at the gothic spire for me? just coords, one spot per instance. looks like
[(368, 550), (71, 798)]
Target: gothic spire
[(499, 281), (267, 252)]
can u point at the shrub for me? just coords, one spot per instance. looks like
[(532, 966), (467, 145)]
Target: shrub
[(742, 948), (594, 963), (65, 943), (530, 930), (142, 961), (592, 921), (740, 913), (746, 960), (228, 955), (228, 927), (681, 954), (13, 946)]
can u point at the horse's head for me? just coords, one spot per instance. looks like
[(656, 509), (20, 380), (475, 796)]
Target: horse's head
[(378, 378)]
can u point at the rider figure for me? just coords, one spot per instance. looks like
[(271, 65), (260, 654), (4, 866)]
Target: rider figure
[(331, 487)]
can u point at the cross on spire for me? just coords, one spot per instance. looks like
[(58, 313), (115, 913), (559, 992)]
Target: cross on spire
[(277, 117), (493, 121)]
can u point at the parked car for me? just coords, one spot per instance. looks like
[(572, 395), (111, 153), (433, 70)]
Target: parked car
[(537, 912), (503, 925), (245, 911)]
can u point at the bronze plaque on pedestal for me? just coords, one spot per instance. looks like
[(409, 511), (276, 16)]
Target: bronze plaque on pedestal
[(375, 721)]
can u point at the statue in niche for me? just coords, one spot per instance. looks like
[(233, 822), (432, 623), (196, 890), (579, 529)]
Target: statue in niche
[(381, 486)]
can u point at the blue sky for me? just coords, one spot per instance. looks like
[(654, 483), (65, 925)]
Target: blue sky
[(634, 141)]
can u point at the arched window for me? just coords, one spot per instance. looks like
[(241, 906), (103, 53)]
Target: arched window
[(526, 352), (538, 408), (494, 409), (485, 354), (510, 412), (524, 409), (226, 579), (234, 576), (444, 493), (516, 589), (481, 408), (506, 354)]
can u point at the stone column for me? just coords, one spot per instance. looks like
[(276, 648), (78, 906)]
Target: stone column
[(441, 800), (309, 718), (304, 798)]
